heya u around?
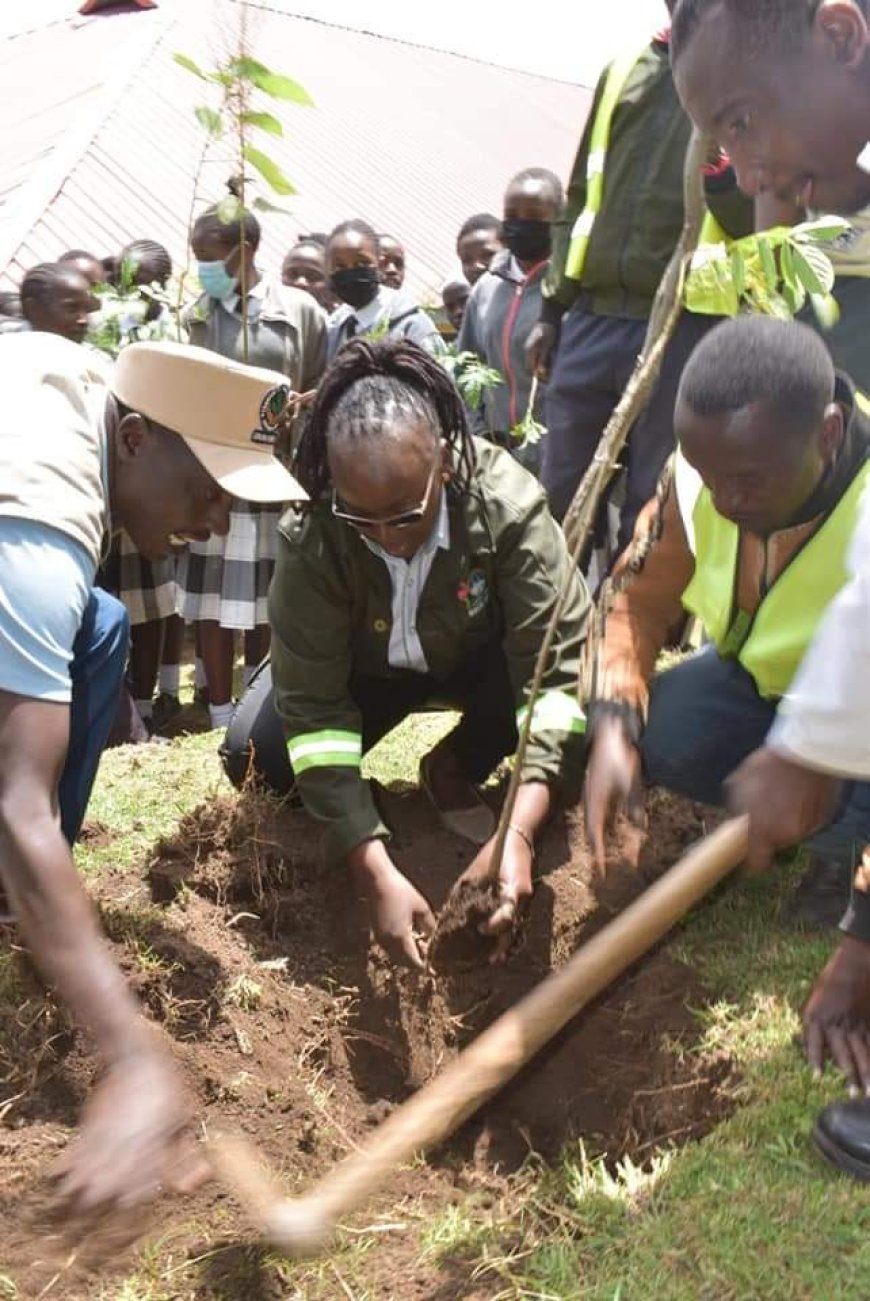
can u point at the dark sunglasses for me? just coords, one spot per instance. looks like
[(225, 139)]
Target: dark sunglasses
[(406, 520)]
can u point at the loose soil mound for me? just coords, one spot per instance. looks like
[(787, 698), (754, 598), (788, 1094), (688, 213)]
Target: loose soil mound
[(254, 957)]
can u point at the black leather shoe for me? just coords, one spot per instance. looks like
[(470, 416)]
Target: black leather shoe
[(842, 1135), (822, 895)]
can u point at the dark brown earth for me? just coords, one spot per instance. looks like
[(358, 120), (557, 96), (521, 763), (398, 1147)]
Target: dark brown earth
[(253, 957)]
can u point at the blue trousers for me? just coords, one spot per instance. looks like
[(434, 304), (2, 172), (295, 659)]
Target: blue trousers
[(97, 672), (594, 359), (705, 718)]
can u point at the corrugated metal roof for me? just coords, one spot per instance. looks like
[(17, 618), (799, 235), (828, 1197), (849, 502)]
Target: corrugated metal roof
[(102, 146)]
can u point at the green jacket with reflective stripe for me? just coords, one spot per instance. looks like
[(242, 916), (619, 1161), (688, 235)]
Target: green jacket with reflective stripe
[(330, 607)]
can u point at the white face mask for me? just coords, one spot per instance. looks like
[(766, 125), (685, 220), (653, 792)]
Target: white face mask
[(863, 159)]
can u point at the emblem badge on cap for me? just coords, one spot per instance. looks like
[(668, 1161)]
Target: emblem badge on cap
[(272, 409)]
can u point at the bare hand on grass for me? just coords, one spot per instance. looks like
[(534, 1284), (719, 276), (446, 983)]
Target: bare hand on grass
[(836, 1018)]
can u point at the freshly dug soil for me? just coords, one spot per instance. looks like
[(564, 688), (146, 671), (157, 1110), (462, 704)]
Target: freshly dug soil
[(254, 958)]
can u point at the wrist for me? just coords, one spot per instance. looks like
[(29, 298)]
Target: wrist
[(603, 713), (134, 1046), (369, 862), (524, 834), (856, 922)]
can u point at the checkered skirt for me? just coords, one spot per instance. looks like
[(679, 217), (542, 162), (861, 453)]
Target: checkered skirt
[(227, 579), (147, 587)]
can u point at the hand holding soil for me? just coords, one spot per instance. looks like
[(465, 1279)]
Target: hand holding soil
[(836, 1017), (401, 918), (512, 882)]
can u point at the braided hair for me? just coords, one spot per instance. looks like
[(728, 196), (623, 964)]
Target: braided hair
[(368, 388), (45, 280), (148, 253)]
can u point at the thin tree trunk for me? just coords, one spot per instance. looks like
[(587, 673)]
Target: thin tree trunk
[(589, 495)]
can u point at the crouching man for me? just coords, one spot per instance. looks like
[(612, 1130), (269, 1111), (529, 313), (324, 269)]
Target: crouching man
[(750, 532), (159, 453)]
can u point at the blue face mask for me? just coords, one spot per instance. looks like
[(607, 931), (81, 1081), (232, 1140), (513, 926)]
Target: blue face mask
[(215, 279)]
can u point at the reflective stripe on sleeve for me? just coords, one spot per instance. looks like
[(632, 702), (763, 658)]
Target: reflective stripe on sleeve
[(555, 711), (327, 749)]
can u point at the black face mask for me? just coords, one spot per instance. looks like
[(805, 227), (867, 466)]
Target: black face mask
[(356, 286), (527, 240)]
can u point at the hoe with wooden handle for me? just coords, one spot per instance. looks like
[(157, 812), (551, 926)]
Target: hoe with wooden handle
[(304, 1226)]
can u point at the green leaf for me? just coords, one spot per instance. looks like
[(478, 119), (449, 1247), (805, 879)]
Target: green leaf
[(768, 263), (265, 121), (794, 297), (821, 231), (210, 120), (185, 62), (820, 269), (786, 266), (271, 83), (266, 205), (269, 170), (247, 69), (738, 271), (827, 310), (230, 209), (805, 272), (285, 88)]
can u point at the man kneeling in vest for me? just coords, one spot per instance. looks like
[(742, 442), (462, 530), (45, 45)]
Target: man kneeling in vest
[(749, 532)]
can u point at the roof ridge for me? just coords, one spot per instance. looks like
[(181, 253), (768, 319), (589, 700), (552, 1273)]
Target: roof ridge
[(404, 40)]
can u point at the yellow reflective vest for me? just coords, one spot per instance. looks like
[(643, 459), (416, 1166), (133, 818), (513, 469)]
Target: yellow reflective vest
[(771, 644), (596, 162)]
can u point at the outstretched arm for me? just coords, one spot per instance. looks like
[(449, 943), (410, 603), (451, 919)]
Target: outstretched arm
[(125, 1147)]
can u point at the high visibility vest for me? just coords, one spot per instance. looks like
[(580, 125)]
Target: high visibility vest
[(770, 644), (596, 159)]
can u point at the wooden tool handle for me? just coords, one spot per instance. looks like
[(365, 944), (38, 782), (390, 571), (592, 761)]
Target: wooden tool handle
[(433, 1113)]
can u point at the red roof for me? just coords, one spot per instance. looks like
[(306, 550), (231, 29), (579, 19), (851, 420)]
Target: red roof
[(100, 145)]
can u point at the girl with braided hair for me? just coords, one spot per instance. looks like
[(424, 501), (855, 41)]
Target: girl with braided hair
[(423, 571)]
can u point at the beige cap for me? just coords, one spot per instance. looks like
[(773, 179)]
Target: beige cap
[(226, 412)]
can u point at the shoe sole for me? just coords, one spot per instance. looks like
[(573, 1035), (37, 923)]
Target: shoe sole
[(836, 1157)]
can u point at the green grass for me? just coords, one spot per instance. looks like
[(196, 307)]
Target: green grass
[(747, 1213)]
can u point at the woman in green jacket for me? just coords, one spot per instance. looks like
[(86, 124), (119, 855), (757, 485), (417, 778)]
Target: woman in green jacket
[(424, 569)]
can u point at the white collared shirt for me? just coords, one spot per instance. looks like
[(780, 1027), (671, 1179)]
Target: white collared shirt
[(255, 293), (408, 579)]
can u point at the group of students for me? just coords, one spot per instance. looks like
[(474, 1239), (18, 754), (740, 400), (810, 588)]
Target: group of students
[(418, 563), (331, 288)]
